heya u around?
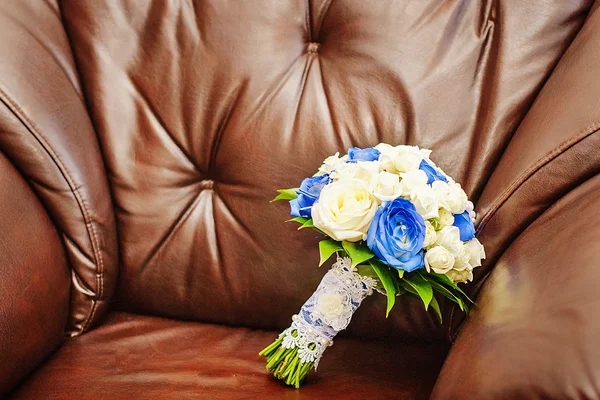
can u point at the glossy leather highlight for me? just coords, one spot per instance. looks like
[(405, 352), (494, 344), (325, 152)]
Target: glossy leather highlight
[(47, 135), (34, 280), (241, 96), (139, 357), (141, 142), (534, 332)]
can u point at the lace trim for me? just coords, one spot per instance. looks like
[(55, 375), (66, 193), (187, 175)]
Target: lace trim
[(328, 311)]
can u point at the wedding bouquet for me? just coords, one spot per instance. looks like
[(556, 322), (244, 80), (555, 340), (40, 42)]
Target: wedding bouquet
[(398, 224)]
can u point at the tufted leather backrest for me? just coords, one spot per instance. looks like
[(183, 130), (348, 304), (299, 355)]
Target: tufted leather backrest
[(204, 108)]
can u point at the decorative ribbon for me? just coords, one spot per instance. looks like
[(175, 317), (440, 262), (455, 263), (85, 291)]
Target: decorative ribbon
[(328, 311)]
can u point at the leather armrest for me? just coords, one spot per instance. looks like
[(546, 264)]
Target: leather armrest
[(535, 330), (554, 150), (46, 133), (34, 280)]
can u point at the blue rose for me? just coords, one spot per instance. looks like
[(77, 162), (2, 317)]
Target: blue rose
[(308, 193), (358, 154), (433, 174), (465, 225), (396, 235)]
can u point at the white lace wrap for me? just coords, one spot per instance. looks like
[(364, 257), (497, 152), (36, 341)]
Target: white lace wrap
[(327, 311)]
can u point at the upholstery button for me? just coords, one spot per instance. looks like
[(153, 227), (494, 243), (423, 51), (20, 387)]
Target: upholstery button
[(207, 184), (313, 47)]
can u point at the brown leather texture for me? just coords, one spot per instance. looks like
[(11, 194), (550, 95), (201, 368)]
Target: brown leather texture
[(34, 280), (534, 333), (204, 108), (139, 357), (556, 148), (141, 142), (47, 134)]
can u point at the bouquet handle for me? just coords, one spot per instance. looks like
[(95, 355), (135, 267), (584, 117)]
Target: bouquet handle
[(328, 311)]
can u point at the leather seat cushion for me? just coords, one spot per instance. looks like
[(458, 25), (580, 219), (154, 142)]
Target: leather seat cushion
[(142, 357)]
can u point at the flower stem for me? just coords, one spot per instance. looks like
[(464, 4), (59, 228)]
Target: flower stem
[(285, 364), (272, 347)]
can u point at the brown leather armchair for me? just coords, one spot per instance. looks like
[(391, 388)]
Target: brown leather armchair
[(141, 141)]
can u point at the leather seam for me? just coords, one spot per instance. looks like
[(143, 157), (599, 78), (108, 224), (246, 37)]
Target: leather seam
[(29, 125), (90, 317), (481, 283), (452, 308), (321, 19), (560, 149), (95, 247), (307, 19)]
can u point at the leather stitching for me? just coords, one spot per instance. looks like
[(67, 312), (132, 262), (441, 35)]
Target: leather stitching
[(582, 134), (95, 247), (90, 318), (560, 149), (89, 224), (100, 278)]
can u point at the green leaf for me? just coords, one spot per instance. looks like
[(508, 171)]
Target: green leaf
[(434, 302), (408, 288), (326, 249), (358, 253), (422, 287), (387, 279), (446, 281), (447, 293), (300, 220), (399, 287), (436, 306), (307, 224), (286, 194)]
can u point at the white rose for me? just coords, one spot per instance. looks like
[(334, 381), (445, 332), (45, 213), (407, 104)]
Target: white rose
[(462, 259), (476, 252), (439, 259), (425, 201), (334, 310), (367, 171), (457, 198), (387, 187), (385, 148), (463, 276), (448, 237), (388, 154), (331, 163), (445, 217), (344, 171), (345, 210), (411, 180), (442, 189), (408, 158), (430, 234)]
